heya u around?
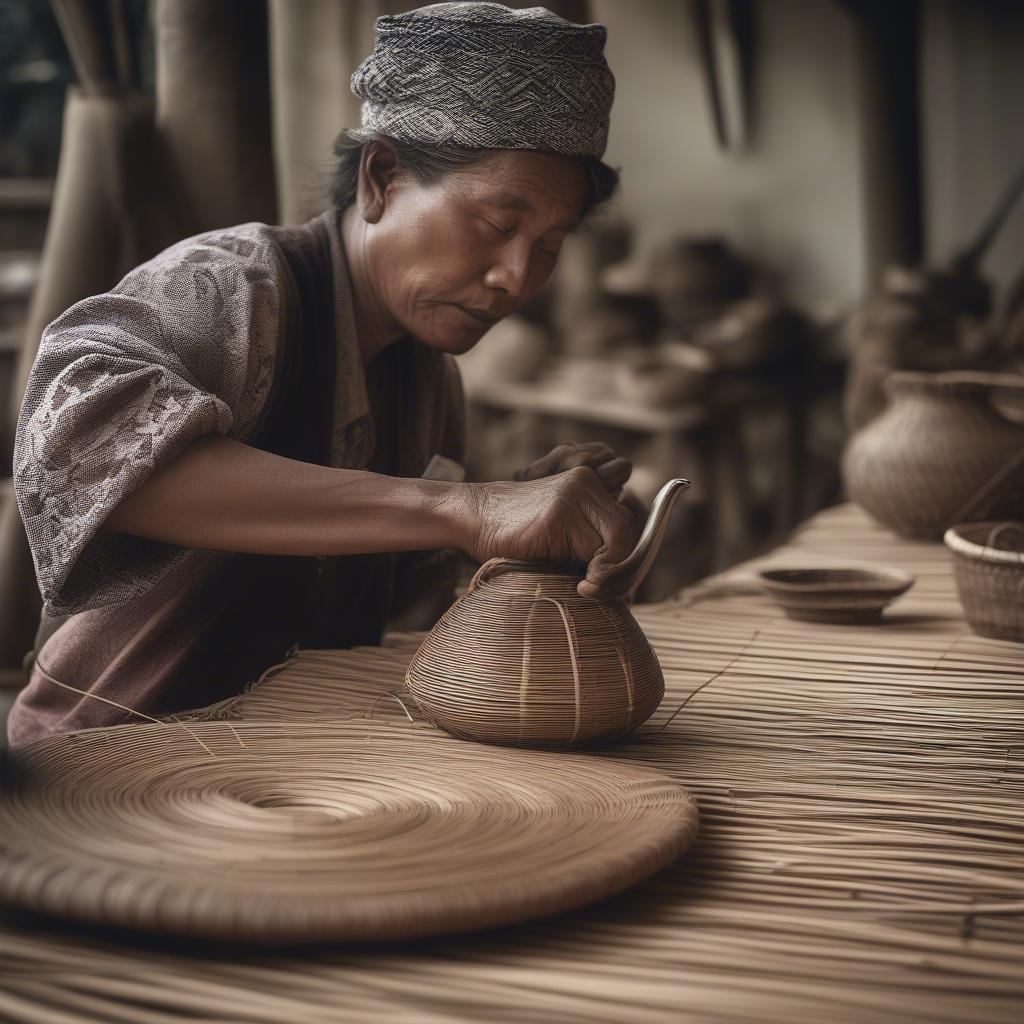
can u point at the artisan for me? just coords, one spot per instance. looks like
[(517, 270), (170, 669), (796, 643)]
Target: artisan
[(223, 457)]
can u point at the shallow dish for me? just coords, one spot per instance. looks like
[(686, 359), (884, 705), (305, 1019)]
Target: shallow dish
[(843, 596)]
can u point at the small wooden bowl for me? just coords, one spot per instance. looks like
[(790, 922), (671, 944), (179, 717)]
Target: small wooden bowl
[(837, 596)]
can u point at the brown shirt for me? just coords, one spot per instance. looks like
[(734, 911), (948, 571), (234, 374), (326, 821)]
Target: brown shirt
[(247, 331)]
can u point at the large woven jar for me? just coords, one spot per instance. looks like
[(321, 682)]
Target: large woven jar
[(940, 454), (522, 659)]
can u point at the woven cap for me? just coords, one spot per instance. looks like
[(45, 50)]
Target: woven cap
[(486, 76)]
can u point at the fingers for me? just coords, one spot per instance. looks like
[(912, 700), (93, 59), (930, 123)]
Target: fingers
[(606, 560), (566, 517), (614, 474), (617, 527), (549, 464), (612, 469), (639, 510)]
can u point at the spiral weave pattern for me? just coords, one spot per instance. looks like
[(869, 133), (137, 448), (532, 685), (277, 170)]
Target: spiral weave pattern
[(488, 77), (272, 833)]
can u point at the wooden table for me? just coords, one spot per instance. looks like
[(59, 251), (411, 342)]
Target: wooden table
[(861, 859)]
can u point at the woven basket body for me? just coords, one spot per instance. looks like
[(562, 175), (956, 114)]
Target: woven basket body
[(988, 563), (940, 454), (522, 659)]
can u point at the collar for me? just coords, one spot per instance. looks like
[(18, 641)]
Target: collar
[(351, 402)]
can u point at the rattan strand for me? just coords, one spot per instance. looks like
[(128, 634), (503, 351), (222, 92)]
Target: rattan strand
[(859, 858)]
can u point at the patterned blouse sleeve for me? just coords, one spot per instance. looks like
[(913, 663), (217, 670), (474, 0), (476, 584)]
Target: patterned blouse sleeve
[(185, 345)]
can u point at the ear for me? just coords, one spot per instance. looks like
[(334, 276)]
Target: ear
[(378, 168)]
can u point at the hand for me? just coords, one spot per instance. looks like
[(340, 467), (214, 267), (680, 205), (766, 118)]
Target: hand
[(611, 468), (568, 517)]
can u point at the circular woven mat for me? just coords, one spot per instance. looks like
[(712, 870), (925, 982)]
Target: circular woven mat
[(284, 832)]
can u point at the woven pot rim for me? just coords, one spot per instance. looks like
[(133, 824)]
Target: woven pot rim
[(499, 566), (956, 542), (951, 382)]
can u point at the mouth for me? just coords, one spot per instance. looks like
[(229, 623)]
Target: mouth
[(487, 319)]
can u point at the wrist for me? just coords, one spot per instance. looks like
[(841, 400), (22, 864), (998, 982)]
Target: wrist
[(457, 507)]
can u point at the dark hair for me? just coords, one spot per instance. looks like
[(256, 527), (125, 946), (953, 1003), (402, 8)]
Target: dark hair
[(429, 163)]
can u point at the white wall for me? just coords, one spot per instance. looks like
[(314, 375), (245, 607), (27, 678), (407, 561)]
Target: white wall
[(973, 74), (795, 198)]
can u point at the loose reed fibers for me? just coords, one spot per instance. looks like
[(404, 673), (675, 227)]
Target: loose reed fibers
[(859, 859)]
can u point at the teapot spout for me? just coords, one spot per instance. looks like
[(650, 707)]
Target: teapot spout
[(626, 578)]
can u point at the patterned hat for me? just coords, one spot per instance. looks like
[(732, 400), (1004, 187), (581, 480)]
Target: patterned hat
[(486, 76)]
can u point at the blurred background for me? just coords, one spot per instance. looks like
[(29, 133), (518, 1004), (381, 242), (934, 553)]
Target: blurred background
[(814, 192)]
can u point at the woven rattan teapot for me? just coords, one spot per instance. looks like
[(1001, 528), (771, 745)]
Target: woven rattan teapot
[(523, 659), (942, 453)]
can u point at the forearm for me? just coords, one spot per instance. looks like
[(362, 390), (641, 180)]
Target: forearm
[(223, 495)]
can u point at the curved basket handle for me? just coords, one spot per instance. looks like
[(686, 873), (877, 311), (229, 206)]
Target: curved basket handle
[(984, 385), (1010, 526)]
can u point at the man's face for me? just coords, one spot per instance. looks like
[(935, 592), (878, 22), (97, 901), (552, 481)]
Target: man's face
[(455, 257)]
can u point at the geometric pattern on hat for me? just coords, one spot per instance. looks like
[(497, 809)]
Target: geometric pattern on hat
[(486, 76)]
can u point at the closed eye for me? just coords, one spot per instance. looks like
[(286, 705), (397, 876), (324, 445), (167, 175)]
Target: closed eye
[(500, 228)]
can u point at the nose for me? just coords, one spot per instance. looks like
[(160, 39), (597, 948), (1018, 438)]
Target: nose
[(510, 272)]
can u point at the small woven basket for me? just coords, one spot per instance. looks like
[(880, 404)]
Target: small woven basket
[(988, 563), (522, 659)]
